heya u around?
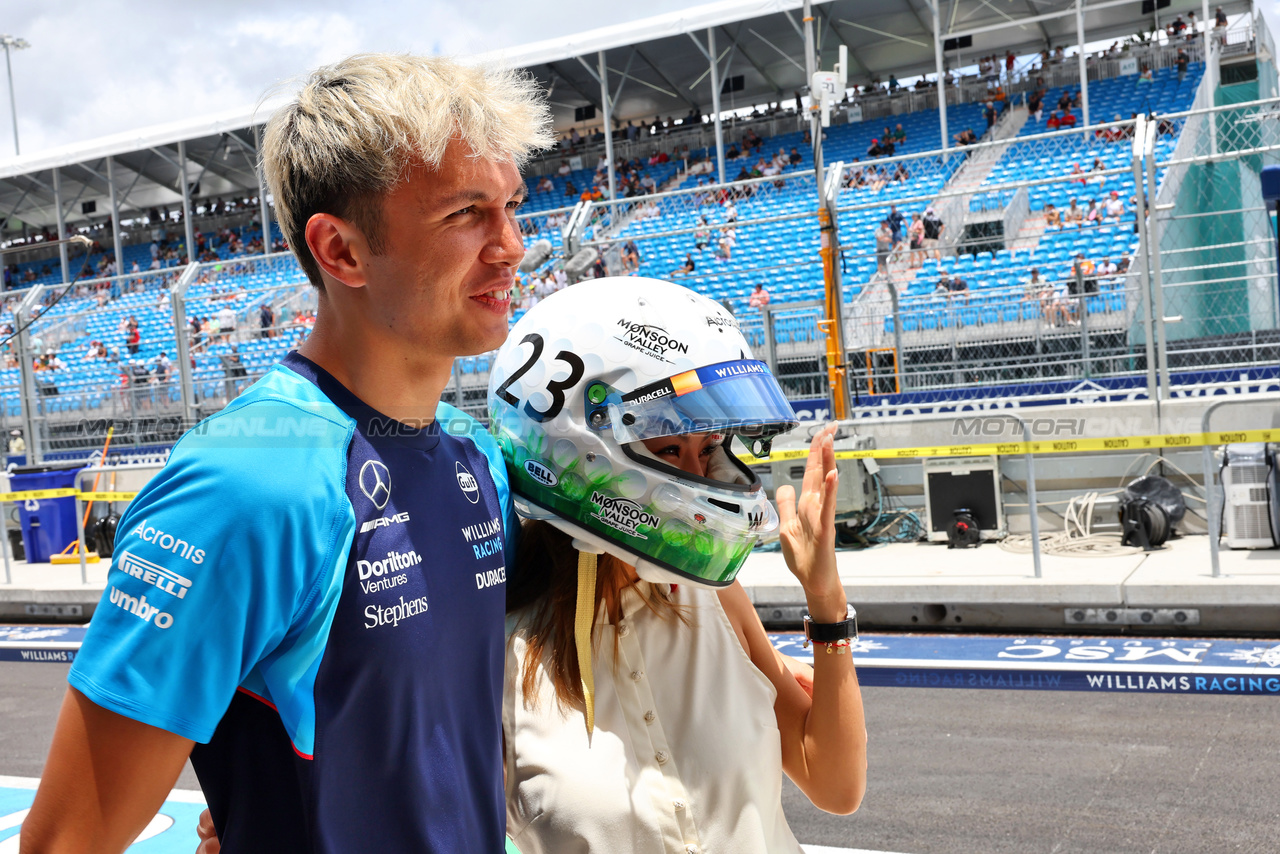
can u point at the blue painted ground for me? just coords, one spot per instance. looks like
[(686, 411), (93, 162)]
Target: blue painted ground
[(1183, 666), (1180, 666)]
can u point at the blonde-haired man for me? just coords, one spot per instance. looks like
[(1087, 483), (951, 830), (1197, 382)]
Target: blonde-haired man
[(311, 593)]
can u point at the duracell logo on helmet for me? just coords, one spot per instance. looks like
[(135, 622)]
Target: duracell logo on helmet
[(650, 339)]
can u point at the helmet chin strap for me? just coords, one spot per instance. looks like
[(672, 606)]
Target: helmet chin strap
[(582, 619)]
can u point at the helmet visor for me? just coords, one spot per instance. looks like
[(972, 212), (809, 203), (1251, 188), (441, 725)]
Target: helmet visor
[(739, 397)]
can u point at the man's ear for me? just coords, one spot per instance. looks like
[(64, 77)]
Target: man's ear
[(339, 248)]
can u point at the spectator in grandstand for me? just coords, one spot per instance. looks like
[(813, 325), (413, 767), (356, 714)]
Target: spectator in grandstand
[(894, 85), (164, 367), (1192, 26), (900, 172), (1181, 63), (966, 137), (564, 168), (1067, 119), (1059, 308), (226, 322), (933, 228), (1078, 175), (795, 158), (959, 288), (943, 288), (1035, 103), (1036, 289), (1106, 269), (630, 257), (1146, 77), (1092, 214), (133, 338), (1219, 18), (875, 149), (266, 320), (895, 220), (884, 245), (1097, 172), (1052, 219), (989, 113), (1074, 215), (1115, 206), (915, 239), (759, 297), (1088, 277), (1053, 122), (686, 268), (724, 245), (545, 185), (732, 152), (899, 135), (569, 189), (701, 234)]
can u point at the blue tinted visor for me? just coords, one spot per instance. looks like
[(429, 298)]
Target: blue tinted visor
[(737, 398)]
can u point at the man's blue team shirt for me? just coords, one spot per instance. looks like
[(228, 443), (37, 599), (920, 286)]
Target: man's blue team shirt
[(315, 593)]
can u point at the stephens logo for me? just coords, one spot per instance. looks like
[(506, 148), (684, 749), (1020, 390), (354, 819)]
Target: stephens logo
[(541, 473), (467, 483), (623, 514), (653, 340)]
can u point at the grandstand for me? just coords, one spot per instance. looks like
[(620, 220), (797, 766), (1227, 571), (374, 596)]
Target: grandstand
[(993, 196)]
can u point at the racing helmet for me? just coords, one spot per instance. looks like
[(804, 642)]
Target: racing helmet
[(593, 370)]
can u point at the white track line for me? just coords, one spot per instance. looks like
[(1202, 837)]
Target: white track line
[(820, 849)]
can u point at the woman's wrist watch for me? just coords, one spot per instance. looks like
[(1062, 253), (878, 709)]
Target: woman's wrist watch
[(838, 635)]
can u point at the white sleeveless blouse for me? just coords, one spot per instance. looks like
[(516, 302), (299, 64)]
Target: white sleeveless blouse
[(686, 757)]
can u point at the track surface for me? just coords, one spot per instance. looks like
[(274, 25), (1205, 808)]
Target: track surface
[(957, 770)]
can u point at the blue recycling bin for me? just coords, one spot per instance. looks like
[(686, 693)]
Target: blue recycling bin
[(48, 524)]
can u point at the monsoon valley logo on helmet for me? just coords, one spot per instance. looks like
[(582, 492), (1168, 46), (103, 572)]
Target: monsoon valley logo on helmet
[(591, 372)]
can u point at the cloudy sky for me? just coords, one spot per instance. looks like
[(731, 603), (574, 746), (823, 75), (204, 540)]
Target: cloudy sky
[(103, 66)]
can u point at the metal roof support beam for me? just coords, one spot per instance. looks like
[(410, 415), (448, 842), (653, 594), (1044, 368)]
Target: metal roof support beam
[(665, 79), (942, 83), (117, 239), (779, 50), (262, 194), (590, 99), (608, 124), (617, 93), (757, 66), (63, 258), (715, 100), (83, 186), (137, 175), (187, 219), (1084, 70), (1047, 16)]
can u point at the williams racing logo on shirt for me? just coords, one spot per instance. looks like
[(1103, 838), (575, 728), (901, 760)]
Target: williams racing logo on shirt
[(650, 340), (623, 514)]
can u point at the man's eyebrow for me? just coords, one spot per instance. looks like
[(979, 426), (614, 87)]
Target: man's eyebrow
[(470, 197)]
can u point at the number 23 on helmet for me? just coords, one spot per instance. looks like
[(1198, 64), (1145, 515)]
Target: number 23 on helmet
[(592, 371)]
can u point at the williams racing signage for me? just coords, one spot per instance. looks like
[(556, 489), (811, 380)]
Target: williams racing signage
[(1127, 664)]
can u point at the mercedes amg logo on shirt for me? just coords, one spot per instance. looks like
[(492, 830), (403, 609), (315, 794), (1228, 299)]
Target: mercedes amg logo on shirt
[(375, 483)]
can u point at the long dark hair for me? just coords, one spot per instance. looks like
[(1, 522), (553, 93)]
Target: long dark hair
[(542, 589)]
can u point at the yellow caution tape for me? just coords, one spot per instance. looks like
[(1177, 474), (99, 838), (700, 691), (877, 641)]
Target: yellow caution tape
[(1177, 441), (108, 496), (65, 492), (37, 494)]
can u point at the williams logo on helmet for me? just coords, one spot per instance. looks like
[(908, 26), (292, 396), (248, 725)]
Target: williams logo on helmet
[(649, 339), (623, 514)]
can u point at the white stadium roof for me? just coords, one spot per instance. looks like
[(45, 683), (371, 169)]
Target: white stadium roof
[(653, 69)]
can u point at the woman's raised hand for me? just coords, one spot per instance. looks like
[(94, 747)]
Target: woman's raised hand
[(808, 530)]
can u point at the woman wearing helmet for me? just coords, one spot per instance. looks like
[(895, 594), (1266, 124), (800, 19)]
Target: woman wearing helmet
[(644, 708)]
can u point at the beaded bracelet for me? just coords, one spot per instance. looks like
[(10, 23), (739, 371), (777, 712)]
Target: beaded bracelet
[(840, 646)]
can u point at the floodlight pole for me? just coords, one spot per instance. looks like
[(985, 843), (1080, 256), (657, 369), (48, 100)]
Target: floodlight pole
[(11, 44), (941, 86), (715, 100), (116, 239), (608, 127), (262, 193), (187, 219), (63, 257), (1084, 67)]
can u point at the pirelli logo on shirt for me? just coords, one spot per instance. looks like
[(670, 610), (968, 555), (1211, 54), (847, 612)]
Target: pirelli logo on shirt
[(154, 574)]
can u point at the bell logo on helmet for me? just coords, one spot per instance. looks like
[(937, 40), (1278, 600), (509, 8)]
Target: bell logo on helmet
[(540, 473), (467, 483), (653, 340), (623, 514)]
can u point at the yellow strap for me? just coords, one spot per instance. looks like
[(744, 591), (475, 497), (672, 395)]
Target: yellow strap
[(582, 620)]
